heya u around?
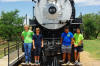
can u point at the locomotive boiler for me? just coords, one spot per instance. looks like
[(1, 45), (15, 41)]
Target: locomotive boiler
[(51, 16)]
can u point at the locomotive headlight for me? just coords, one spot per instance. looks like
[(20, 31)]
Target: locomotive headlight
[(52, 10), (49, 13)]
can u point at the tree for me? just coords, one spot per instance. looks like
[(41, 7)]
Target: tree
[(97, 24), (10, 24), (91, 25)]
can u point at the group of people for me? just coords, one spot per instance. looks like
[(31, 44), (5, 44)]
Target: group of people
[(67, 40), (35, 41)]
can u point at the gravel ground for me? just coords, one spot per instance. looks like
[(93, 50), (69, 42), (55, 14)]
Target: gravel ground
[(86, 60)]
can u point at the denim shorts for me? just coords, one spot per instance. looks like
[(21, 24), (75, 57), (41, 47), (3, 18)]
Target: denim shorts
[(78, 49), (66, 49)]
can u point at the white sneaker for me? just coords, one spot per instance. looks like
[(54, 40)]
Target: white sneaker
[(76, 63), (79, 63), (68, 63), (30, 63), (26, 62), (64, 64)]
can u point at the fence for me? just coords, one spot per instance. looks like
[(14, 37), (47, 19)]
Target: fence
[(3, 44), (14, 53)]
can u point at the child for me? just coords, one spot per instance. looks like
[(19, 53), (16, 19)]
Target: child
[(66, 39), (37, 45), (78, 39)]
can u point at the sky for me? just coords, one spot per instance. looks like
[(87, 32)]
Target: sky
[(25, 6)]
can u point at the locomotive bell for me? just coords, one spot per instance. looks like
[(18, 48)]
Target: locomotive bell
[(49, 13)]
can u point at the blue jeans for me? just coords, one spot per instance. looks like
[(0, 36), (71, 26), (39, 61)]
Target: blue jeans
[(27, 48)]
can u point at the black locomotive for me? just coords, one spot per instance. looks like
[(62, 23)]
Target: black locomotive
[(51, 16)]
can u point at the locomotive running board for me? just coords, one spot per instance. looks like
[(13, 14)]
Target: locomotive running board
[(24, 64), (76, 21), (70, 65)]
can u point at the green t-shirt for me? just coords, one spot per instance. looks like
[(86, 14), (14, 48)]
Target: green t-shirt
[(27, 36), (78, 38)]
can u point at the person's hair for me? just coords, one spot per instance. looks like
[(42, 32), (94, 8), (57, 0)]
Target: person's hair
[(66, 28), (26, 26), (30, 28), (38, 29), (78, 29)]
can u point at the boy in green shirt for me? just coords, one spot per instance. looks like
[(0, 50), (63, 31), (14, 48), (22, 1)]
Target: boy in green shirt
[(27, 37), (78, 39)]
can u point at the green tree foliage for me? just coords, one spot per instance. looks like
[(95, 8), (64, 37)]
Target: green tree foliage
[(10, 24), (91, 25)]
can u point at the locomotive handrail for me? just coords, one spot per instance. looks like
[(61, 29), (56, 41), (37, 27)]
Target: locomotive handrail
[(51, 23), (16, 59), (10, 47)]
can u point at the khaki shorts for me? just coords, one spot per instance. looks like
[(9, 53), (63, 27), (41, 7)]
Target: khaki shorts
[(66, 49)]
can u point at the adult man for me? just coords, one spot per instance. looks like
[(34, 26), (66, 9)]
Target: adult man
[(66, 41), (78, 39), (37, 45), (27, 37)]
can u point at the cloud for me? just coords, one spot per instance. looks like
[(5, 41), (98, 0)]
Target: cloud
[(13, 0), (79, 1), (82, 2), (88, 2)]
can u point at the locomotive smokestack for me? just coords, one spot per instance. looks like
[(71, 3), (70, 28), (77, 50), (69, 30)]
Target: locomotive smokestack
[(33, 12)]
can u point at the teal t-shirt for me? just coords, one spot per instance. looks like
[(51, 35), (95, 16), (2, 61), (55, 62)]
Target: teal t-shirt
[(27, 36)]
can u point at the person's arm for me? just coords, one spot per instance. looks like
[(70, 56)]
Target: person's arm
[(72, 40), (33, 44), (42, 43), (80, 42), (22, 37), (61, 40)]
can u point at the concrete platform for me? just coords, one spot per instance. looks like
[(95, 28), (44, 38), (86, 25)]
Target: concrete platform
[(33, 64), (4, 61), (13, 58)]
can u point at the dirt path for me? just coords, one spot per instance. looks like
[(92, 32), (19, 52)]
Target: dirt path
[(87, 60)]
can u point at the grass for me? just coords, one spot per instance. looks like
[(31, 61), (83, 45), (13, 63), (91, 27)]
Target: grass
[(2, 48), (6, 45), (99, 35), (93, 47)]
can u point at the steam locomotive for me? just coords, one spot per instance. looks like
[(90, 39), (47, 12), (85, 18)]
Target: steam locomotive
[(51, 16)]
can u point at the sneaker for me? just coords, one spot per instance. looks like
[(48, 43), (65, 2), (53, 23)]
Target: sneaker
[(38, 63), (68, 63), (64, 64), (23, 63), (30, 63), (26, 62), (79, 63), (76, 63)]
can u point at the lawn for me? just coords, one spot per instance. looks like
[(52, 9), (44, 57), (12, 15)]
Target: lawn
[(93, 47)]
